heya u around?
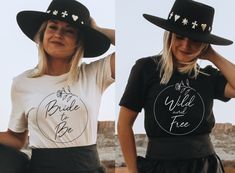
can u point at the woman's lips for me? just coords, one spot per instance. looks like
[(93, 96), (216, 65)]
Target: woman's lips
[(185, 52), (57, 43)]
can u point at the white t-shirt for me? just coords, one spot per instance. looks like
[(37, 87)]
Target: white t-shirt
[(56, 114)]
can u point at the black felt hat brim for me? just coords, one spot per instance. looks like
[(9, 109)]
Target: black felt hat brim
[(205, 38), (95, 43)]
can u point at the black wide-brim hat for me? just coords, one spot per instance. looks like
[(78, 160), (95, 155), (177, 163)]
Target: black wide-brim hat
[(190, 19), (72, 12)]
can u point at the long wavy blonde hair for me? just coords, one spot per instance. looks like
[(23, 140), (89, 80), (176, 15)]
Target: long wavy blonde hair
[(167, 61), (42, 66)]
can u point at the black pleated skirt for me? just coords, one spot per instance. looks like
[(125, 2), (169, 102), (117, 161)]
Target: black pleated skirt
[(209, 164), (186, 154), (12, 160), (83, 159)]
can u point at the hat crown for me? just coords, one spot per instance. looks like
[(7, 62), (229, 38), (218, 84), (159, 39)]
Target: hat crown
[(192, 15), (70, 11)]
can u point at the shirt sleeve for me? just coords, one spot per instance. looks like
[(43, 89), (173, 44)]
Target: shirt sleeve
[(18, 121), (133, 97), (220, 84), (104, 74)]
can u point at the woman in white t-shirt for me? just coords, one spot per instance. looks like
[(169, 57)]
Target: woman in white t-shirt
[(58, 101)]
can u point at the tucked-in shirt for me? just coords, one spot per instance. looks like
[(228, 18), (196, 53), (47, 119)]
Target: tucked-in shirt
[(183, 106), (55, 113)]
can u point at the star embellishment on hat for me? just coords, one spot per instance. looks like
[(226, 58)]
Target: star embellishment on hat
[(185, 21)]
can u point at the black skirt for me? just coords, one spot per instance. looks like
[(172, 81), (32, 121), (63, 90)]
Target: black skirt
[(180, 155), (209, 164), (83, 159), (12, 160)]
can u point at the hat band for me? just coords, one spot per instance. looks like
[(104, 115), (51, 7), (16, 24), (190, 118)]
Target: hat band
[(185, 22), (66, 16)]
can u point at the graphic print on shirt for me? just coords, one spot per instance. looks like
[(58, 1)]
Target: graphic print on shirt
[(179, 109), (62, 116)]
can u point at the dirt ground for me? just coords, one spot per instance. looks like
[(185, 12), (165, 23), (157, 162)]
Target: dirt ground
[(229, 170), (117, 170), (121, 170)]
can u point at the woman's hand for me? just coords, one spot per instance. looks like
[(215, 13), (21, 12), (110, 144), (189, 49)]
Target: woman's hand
[(207, 53), (110, 33), (226, 67), (93, 24)]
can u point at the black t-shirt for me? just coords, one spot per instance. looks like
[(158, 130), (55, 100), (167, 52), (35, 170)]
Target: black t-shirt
[(183, 106)]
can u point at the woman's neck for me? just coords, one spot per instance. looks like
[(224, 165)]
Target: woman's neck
[(181, 64), (58, 67)]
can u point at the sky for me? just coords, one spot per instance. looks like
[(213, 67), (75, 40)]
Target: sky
[(137, 38), (18, 53)]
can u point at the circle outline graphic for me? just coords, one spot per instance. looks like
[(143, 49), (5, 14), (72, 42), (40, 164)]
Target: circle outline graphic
[(167, 131), (46, 135)]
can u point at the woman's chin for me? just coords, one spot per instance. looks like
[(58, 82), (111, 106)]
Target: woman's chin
[(186, 59)]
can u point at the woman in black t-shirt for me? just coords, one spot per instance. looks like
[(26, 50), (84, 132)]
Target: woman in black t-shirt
[(177, 95)]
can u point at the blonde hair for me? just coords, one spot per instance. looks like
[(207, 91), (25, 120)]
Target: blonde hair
[(167, 62), (42, 66)]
